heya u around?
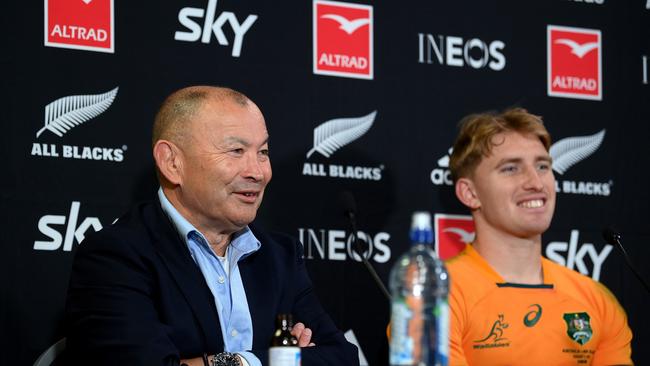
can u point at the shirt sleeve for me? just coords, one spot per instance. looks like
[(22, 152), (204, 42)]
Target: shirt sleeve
[(615, 345), (248, 359)]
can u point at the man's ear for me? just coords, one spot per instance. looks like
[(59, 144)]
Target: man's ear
[(168, 160), (466, 193)]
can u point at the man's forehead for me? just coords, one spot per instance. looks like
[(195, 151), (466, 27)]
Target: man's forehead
[(233, 129), (516, 146), (235, 139), (516, 141), (229, 113)]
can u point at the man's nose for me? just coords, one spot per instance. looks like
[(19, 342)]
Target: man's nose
[(534, 179), (253, 168)]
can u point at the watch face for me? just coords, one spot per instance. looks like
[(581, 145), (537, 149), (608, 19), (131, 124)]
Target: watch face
[(225, 359)]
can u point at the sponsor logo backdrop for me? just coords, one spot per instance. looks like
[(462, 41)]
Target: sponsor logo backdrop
[(359, 96)]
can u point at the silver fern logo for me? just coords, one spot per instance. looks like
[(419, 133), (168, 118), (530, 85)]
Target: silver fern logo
[(68, 112), (332, 135), (571, 150), (336, 133)]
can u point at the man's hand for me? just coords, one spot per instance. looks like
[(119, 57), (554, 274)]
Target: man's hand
[(303, 334)]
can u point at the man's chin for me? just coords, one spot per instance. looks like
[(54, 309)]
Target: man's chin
[(242, 220), (532, 231)]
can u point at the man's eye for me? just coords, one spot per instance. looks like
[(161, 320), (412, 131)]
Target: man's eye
[(264, 152), (237, 151), (544, 166), (509, 169)]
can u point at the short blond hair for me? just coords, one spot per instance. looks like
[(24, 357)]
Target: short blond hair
[(475, 139)]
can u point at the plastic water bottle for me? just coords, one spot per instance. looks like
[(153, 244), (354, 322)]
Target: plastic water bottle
[(419, 284)]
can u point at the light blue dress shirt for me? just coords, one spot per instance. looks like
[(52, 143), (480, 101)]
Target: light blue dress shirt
[(223, 277)]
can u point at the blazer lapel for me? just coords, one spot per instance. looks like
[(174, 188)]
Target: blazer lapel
[(190, 281), (261, 279)]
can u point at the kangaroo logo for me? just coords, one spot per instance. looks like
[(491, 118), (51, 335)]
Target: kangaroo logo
[(496, 333)]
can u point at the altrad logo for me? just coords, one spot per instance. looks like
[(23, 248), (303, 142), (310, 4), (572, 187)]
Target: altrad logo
[(452, 234), (83, 25), (343, 39), (574, 62)]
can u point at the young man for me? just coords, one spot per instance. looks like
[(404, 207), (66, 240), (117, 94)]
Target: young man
[(511, 306)]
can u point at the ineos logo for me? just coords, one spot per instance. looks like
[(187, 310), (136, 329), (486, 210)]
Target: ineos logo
[(338, 245), (455, 51)]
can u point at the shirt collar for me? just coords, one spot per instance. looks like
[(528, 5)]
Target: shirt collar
[(243, 242)]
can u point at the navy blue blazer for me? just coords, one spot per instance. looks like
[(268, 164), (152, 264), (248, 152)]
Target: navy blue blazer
[(136, 297)]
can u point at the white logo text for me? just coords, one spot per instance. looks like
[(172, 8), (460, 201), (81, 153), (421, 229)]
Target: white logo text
[(213, 26), (73, 230), (455, 51), (337, 245), (574, 257)]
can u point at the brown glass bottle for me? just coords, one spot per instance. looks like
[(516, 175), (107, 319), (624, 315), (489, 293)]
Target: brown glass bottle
[(282, 336), (284, 349)]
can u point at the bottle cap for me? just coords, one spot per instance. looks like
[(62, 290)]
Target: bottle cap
[(421, 221), (421, 231)]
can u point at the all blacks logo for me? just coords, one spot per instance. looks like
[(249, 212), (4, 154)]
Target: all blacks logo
[(338, 245)]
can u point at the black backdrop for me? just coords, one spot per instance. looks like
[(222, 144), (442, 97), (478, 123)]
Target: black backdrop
[(407, 63)]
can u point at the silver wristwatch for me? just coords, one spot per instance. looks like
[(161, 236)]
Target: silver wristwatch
[(225, 359)]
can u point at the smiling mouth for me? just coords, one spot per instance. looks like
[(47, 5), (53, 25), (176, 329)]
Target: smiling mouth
[(532, 203), (248, 196)]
